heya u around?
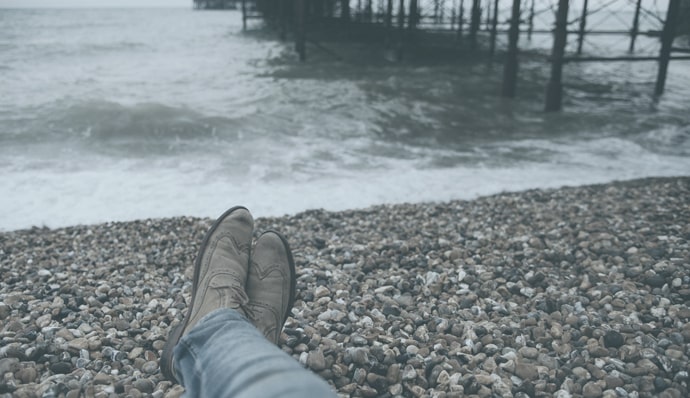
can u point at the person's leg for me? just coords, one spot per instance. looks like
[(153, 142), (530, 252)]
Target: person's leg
[(224, 355), (220, 274), (221, 349)]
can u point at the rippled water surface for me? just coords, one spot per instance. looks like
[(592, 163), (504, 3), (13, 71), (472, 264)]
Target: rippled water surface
[(122, 114)]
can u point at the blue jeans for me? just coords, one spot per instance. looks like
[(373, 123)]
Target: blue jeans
[(224, 355)]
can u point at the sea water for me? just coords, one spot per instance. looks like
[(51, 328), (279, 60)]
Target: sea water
[(121, 114)]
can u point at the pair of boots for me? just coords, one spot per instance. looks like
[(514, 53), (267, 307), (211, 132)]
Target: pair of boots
[(259, 283)]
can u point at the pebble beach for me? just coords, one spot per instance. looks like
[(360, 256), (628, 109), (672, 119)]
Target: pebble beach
[(571, 292)]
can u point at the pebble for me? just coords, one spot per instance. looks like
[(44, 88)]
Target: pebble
[(102, 378), (61, 368), (27, 375), (592, 390), (8, 365), (571, 292), (321, 291), (529, 352), (526, 371), (143, 385), (613, 339), (150, 367), (409, 373), (316, 360)]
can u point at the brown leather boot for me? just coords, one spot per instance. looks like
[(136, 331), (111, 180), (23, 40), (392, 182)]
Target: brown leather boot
[(271, 284), (220, 274)]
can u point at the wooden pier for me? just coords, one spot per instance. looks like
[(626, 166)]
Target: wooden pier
[(216, 4), (476, 26)]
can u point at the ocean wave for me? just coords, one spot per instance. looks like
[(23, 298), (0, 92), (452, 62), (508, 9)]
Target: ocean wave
[(118, 46), (667, 140), (104, 120), (132, 126), (51, 48)]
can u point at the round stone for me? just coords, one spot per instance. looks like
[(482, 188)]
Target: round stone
[(143, 385), (591, 390), (150, 367), (61, 367), (613, 339)]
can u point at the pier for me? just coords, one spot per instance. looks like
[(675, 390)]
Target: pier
[(216, 4), (485, 28)]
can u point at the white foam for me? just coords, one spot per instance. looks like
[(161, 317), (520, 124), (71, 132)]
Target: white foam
[(127, 190)]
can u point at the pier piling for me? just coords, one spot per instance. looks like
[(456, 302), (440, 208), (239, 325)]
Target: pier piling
[(282, 15), (494, 30), (510, 66), (530, 21), (389, 24), (583, 26), (667, 36), (414, 15), (461, 19), (554, 88), (401, 29), (487, 23), (244, 15), (344, 9), (475, 16), (389, 14), (300, 29), (635, 26), (368, 11)]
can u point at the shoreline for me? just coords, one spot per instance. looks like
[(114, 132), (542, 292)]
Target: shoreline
[(576, 291), (365, 207)]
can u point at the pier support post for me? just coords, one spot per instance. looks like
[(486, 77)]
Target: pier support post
[(283, 19), (510, 68), (554, 88), (494, 31), (635, 26), (530, 21), (401, 30), (474, 22), (452, 17), (413, 15), (389, 15), (488, 15), (317, 9), (461, 19), (667, 36), (388, 22), (244, 14), (344, 10), (330, 6), (583, 26), (300, 29)]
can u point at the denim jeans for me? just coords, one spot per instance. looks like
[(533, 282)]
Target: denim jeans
[(224, 355)]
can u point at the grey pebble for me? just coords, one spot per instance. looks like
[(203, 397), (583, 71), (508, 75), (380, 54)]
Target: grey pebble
[(150, 367), (143, 385), (571, 292)]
